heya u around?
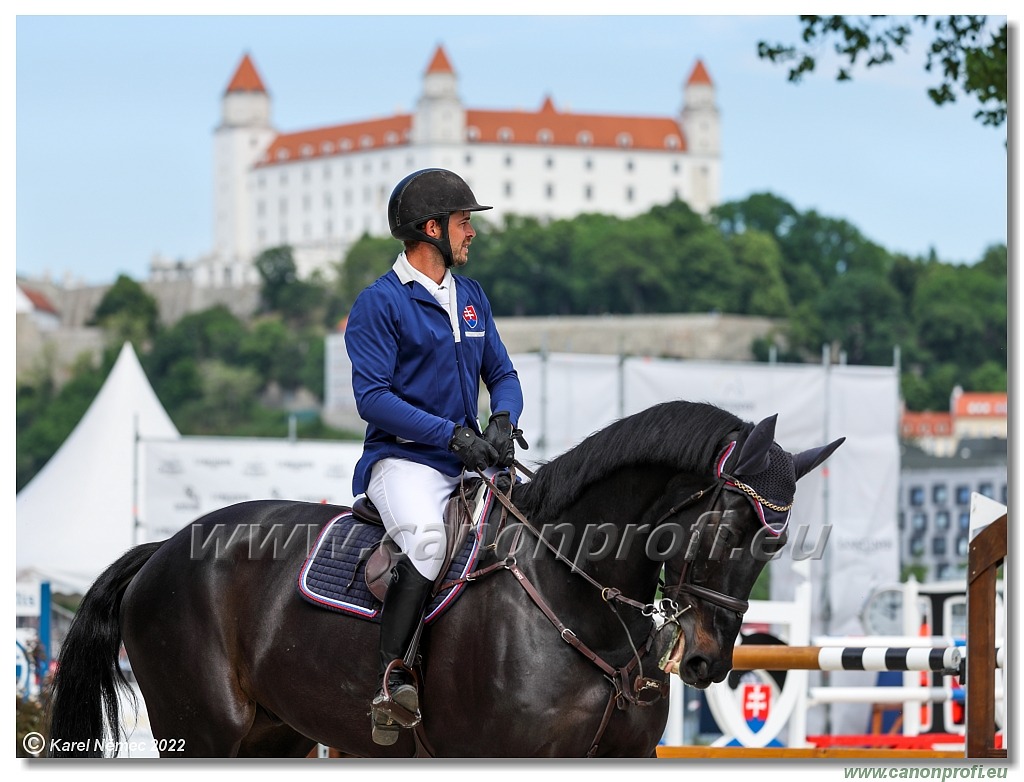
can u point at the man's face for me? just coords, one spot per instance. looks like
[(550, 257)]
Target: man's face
[(460, 234)]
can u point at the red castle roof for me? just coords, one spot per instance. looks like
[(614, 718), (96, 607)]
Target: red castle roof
[(246, 78), (547, 126)]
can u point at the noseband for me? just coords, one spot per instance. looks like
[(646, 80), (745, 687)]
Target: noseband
[(685, 585)]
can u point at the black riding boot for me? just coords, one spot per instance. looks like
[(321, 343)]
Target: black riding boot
[(397, 705)]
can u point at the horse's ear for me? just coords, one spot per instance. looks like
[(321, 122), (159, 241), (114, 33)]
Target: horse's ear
[(753, 457), (805, 461)]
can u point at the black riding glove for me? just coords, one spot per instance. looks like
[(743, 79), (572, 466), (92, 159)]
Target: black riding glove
[(476, 453), (499, 434)]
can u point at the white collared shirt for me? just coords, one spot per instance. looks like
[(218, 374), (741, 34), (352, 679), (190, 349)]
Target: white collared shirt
[(443, 292)]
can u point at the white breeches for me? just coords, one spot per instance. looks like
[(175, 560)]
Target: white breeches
[(411, 498)]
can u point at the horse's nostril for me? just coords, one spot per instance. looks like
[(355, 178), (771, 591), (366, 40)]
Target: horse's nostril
[(699, 667)]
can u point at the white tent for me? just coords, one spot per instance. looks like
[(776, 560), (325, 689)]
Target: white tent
[(77, 515)]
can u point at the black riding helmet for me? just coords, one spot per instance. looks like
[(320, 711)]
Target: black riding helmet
[(429, 194)]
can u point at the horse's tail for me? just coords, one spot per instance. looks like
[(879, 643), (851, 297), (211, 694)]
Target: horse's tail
[(88, 673)]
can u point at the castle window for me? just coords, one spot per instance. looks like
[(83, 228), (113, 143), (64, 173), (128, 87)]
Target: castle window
[(329, 228), (366, 141), (283, 179), (629, 165), (676, 167), (672, 142), (545, 136), (327, 147), (549, 162), (469, 160), (282, 154), (629, 194), (305, 203), (588, 192), (549, 191), (327, 172), (307, 150), (584, 138), (260, 182), (305, 174), (345, 144), (588, 164), (391, 138), (260, 208), (282, 206), (508, 161), (473, 133), (508, 189), (505, 134), (624, 140)]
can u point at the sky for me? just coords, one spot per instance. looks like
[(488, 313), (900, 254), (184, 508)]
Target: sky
[(115, 116)]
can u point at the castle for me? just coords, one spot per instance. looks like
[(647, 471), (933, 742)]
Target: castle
[(319, 190)]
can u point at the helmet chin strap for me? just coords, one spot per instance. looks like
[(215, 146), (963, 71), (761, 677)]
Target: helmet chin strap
[(443, 244)]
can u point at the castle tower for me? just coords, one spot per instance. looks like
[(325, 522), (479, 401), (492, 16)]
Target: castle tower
[(702, 126), (440, 117), (241, 138)]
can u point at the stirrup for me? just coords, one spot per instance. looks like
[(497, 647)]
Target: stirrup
[(394, 709)]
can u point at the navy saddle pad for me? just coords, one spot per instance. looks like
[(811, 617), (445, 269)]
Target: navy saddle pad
[(333, 575)]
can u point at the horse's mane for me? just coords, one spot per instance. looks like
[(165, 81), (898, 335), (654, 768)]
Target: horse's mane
[(680, 435)]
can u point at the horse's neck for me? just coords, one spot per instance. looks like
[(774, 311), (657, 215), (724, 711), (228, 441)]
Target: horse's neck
[(604, 532)]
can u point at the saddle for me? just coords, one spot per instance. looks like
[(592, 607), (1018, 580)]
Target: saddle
[(461, 513)]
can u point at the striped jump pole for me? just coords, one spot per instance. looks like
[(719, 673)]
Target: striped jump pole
[(757, 657)]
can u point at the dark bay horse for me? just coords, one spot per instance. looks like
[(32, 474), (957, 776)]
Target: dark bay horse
[(555, 651)]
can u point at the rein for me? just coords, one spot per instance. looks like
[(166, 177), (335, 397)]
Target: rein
[(641, 690)]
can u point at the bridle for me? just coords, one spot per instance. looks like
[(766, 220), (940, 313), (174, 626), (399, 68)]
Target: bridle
[(640, 691), (685, 584)]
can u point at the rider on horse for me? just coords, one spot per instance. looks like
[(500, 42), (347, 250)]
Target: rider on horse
[(420, 343)]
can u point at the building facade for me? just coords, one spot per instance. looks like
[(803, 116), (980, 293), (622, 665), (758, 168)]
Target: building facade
[(319, 190), (935, 503), (972, 415)]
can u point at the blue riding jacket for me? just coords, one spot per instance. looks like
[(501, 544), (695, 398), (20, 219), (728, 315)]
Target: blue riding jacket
[(413, 383)]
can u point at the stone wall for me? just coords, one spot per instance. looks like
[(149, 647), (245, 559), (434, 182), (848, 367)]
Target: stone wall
[(707, 337)]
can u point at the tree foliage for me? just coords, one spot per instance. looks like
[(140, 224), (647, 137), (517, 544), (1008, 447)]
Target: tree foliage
[(127, 313), (822, 281), (967, 53)]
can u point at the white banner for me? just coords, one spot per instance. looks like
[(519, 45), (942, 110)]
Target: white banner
[(185, 479), (567, 397)]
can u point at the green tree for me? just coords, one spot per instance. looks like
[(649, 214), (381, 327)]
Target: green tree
[(861, 314), (967, 52), (282, 291), (764, 212), (367, 259), (127, 312), (46, 416), (960, 315), (708, 271), (274, 352), (228, 399), (990, 376), (760, 284)]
